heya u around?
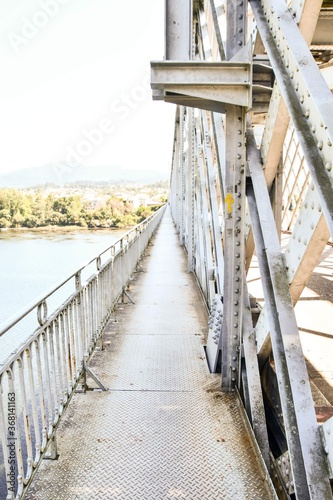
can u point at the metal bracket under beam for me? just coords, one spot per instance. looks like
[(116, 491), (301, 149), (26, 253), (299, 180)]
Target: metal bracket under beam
[(207, 85)]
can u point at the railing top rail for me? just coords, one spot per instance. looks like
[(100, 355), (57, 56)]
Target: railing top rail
[(10, 322)]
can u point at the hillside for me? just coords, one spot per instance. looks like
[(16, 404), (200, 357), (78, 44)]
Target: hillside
[(59, 174)]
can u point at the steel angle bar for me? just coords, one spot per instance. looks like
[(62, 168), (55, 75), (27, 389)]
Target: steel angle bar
[(282, 373), (205, 36), (201, 262), (205, 214), (181, 175), (175, 175), (219, 139), (296, 399), (253, 377), (263, 338), (191, 191), (217, 32), (308, 98), (216, 223)]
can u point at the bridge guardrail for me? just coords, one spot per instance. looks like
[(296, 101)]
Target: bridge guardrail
[(39, 378)]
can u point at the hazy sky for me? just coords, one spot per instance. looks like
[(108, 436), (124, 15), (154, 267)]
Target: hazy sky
[(75, 84)]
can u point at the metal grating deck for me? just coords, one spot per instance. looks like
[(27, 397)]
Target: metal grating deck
[(163, 430)]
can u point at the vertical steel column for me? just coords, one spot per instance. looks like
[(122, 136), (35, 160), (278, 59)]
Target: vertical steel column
[(178, 47), (191, 160), (181, 175), (234, 210), (178, 29), (191, 190)]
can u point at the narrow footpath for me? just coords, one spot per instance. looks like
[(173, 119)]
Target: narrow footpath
[(163, 429)]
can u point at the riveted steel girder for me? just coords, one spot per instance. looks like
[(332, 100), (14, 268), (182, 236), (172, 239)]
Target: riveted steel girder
[(305, 92), (310, 474)]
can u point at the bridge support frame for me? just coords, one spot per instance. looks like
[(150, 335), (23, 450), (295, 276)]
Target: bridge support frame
[(237, 172)]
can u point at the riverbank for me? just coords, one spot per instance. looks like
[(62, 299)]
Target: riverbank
[(61, 229)]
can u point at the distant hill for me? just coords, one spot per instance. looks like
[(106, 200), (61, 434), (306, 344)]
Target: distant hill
[(60, 174)]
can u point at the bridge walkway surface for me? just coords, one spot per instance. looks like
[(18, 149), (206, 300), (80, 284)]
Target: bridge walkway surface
[(162, 429)]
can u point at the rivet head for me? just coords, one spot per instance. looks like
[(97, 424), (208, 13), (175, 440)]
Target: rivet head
[(320, 144), (328, 166)]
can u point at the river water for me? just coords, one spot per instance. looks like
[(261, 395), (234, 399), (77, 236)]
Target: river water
[(31, 263)]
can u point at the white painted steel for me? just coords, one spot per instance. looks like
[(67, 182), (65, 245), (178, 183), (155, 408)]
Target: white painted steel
[(296, 172), (328, 437)]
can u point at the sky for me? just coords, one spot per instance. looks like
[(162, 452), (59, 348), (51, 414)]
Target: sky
[(75, 84)]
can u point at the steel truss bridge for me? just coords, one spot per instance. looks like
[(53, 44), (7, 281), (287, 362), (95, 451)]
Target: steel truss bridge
[(251, 200), (252, 158)]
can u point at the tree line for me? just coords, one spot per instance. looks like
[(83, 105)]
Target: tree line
[(20, 209)]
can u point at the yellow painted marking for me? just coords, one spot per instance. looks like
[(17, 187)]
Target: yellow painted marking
[(229, 199)]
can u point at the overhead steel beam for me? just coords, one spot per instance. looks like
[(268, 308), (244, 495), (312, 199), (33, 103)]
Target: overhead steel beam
[(209, 82)]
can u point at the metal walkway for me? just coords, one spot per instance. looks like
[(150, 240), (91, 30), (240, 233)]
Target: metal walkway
[(163, 429)]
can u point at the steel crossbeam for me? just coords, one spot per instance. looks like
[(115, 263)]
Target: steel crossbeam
[(206, 84)]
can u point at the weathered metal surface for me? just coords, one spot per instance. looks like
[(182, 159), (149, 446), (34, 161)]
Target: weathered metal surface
[(164, 429), (211, 83), (306, 94), (178, 29), (294, 384), (39, 378), (328, 439)]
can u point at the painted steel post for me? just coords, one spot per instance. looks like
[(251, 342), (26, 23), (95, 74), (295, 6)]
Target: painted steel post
[(178, 29), (234, 210)]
